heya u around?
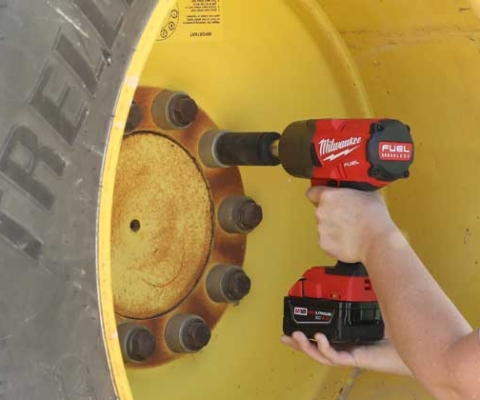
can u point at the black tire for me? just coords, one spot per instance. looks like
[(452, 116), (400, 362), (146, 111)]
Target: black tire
[(61, 68)]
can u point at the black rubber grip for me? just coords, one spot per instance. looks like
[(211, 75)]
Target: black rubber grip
[(243, 148)]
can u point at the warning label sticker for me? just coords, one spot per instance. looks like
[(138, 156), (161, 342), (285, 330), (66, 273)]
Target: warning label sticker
[(193, 20)]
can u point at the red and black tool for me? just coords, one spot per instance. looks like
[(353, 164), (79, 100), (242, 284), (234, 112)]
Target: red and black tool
[(362, 154)]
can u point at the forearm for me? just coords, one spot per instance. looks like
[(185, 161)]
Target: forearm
[(424, 323)]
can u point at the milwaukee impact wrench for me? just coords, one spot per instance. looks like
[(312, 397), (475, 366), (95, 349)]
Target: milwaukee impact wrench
[(361, 154)]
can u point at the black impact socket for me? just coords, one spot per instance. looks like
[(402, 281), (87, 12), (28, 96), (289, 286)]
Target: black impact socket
[(243, 149)]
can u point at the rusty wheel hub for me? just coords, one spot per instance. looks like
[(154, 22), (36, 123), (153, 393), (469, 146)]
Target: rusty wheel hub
[(162, 224), (175, 266)]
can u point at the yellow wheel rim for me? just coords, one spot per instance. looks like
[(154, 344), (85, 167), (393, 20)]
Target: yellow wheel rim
[(265, 65)]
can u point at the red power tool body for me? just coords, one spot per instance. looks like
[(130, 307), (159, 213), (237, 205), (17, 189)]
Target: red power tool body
[(362, 154)]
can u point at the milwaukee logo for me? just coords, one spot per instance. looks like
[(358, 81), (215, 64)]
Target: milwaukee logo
[(328, 146)]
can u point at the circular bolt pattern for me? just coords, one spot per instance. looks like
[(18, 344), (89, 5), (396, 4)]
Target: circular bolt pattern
[(134, 117), (155, 281), (183, 110), (237, 286)]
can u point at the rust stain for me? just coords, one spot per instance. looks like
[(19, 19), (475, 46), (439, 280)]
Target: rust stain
[(160, 186), (217, 246)]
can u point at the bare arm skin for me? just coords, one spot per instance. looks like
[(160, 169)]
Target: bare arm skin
[(429, 334)]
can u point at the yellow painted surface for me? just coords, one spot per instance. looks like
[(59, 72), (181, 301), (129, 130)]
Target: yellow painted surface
[(277, 61), (272, 66)]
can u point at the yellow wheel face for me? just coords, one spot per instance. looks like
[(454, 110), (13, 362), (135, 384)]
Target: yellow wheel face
[(255, 66)]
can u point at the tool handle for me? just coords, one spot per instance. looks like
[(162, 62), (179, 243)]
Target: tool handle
[(347, 269)]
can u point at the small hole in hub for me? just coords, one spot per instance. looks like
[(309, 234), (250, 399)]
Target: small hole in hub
[(135, 225)]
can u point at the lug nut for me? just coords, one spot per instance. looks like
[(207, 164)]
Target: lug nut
[(174, 110), (134, 117), (184, 111), (238, 286), (250, 215), (228, 284), (197, 335), (239, 214), (186, 333), (137, 343)]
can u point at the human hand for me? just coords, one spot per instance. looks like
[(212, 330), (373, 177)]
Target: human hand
[(380, 357), (322, 351), (349, 221)]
